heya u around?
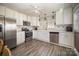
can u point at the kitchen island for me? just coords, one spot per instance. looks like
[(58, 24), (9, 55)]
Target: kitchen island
[(58, 37)]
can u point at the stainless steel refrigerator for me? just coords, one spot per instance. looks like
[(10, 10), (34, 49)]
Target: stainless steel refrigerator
[(8, 31)]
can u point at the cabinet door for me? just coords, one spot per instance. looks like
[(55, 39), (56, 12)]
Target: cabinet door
[(24, 17), (19, 19), (20, 37), (29, 19), (69, 39), (9, 13), (14, 14), (43, 36), (35, 34), (2, 10), (59, 17), (68, 16), (66, 39)]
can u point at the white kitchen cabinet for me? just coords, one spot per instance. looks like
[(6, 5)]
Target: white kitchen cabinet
[(41, 35), (59, 17), (29, 19), (64, 16), (24, 17), (19, 19), (9, 13), (68, 16), (2, 10), (20, 37), (15, 15), (66, 39), (35, 34)]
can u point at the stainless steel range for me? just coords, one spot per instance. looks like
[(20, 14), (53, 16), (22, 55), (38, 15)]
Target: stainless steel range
[(28, 34)]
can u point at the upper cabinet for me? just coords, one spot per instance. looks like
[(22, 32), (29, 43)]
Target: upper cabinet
[(24, 17), (19, 19), (59, 17), (64, 16), (68, 16), (2, 10), (9, 13), (14, 15)]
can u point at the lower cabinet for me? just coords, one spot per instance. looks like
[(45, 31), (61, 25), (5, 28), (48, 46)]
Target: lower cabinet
[(20, 37), (41, 35), (66, 39), (54, 37)]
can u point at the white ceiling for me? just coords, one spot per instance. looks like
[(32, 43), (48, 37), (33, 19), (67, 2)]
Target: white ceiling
[(36, 9)]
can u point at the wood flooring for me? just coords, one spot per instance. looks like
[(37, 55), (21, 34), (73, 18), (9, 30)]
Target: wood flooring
[(40, 48)]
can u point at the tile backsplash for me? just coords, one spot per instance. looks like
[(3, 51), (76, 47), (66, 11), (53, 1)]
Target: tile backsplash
[(56, 28)]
